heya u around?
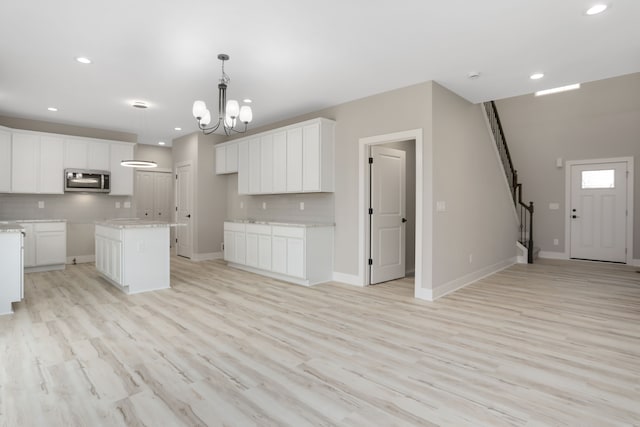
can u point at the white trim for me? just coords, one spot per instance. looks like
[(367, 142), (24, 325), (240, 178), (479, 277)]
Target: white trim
[(81, 259), (523, 253), (161, 170), (567, 201), (552, 255), (497, 153), (40, 268), (466, 280), (424, 205), (206, 256), (348, 279)]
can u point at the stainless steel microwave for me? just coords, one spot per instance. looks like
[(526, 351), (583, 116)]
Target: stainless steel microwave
[(89, 181)]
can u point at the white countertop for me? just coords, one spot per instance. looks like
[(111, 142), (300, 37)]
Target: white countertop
[(10, 227), (282, 223), (37, 220), (134, 223)]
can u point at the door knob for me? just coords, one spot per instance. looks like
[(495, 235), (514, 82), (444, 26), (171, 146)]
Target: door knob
[(189, 216), (574, 216), (404, 220)]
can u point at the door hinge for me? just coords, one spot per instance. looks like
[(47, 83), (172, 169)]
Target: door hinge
[(176, 240), (370, 211), (176, 209), (176, 176), (370, 261), (370, 160)]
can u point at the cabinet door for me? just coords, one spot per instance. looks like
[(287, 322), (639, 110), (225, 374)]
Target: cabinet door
[(254, 166), (243, 167), (51, 247), (279, 254), (221, 160), (311, 157), (252, 250), (29, 245), (232, 158), (295, 257), (5, 161), (279, 162), (266, 164), (25, 159), (121, 176), (294, 160), (51, 173), (76, 153), (241, 253), (115, 262), (100, 252), (98, 157), (229, 246), (264, 252)]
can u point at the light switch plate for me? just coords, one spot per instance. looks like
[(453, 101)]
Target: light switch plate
[(41, 204), (301, 206), (264, 205), (441, 206), (127, 205), (117, 205)]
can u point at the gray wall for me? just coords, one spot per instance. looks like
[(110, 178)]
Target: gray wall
[(600, 120), (161, 155), (40, 126)]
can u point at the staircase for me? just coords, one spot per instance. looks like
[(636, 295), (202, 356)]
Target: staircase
[(523, 210)]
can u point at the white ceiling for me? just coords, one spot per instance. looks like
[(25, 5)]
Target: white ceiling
[(291, 56)]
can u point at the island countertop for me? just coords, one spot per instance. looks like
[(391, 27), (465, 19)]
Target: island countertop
[(10, 227), (134, 223), (282, 223)]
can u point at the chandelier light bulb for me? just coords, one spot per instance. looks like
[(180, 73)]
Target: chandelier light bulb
[(199, 108), (205, 118), (233, 108), (246, 115)]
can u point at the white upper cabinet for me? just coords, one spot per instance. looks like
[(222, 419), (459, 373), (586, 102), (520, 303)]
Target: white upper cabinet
[(121, 176), (36, 163), (280, 162), (5, 161), (243, 167), (254, 166), (266, 164), (227, 158), (294, 160), (84, 154)]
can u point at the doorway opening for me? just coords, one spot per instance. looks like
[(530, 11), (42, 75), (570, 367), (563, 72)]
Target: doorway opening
[(599, 210)]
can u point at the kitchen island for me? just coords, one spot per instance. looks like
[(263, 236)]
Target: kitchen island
[(11, 266), (133, 254)]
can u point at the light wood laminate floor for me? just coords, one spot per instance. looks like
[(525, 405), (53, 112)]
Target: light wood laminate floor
[(554, 343)]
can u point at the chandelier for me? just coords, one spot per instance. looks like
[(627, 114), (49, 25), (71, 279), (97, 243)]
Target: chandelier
[(229, 112)]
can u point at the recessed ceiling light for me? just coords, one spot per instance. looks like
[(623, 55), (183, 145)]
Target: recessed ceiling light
[(473, 75), (536, 76), (558, 89), (83, 60), (139, 104), (596, 9), (52, 109), (177, 128), (160, 142), (247, 101)]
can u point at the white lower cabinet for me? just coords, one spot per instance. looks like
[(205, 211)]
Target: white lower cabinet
[(11, 284), (297, 253), (45, 245)]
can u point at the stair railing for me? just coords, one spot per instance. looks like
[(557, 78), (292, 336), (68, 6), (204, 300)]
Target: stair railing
[(525, 211)]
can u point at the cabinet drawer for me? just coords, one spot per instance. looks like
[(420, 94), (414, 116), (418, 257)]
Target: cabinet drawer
[(259, 229), (50, 226), (234, 226), (288, 231)]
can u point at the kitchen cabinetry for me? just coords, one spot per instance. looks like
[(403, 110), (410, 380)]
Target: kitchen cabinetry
[(293, 159), (12, 283), (5, 161), (227, 158), (45, 245), (297, 253), (85, 154), (133, 255), (36, 163), (121, 176)]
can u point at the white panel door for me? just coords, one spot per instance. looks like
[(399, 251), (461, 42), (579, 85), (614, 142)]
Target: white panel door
[(266, 164), (5, 161), (243, 167), (280, 162), (252, 250), (388, 200), (311, 158), (294, 160), (599, 212), (184, 204), (51, 173), (255, 186)]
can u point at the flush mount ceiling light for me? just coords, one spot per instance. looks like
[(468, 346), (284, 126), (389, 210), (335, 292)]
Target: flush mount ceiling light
[(83, 60), (229, 112), (558, 89), (177, 128), (161, 142), (596, 9), (140, 104), (536, 76), (52, 109), (138, 164), (474, 75)]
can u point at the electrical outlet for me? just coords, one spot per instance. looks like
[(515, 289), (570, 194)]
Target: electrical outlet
[(441, 206), (41, 204), (470, 258), (241, 205), (117, 205), (127, 205), (301, 206), (556, 242), (264, 205)]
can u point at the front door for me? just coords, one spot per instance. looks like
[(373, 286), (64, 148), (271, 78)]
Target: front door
[(183, 211), (598, 211), (387, 214)]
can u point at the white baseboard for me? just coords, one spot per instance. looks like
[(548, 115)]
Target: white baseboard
[(81, 259), (348, 279), (552, 255), (206, 257), (454, 285)]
